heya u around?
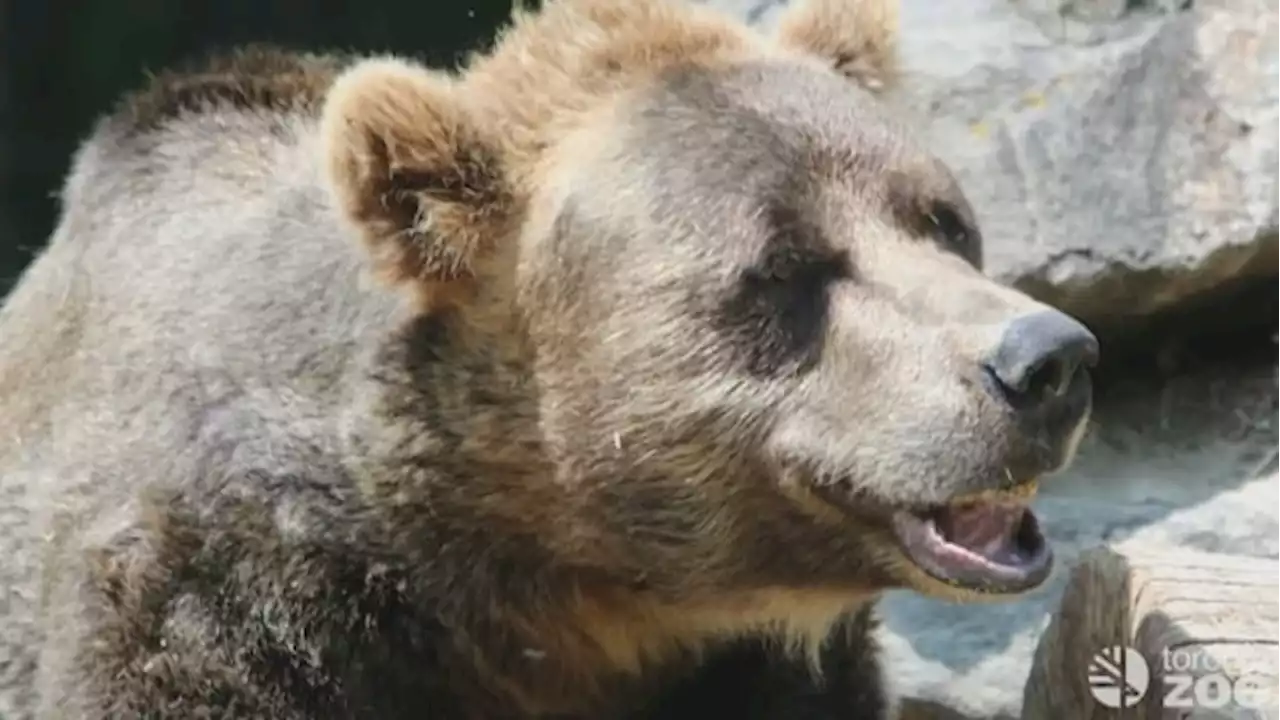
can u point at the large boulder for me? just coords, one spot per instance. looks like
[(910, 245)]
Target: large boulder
[(1122, 158)]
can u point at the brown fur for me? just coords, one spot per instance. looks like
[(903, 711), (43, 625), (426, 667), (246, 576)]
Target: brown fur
[(258, 78), (858, 37), (387, 178), (682, 314)]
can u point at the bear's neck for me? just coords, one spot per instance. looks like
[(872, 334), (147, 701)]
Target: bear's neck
[(445, 451), (448, 455), (444, 441)]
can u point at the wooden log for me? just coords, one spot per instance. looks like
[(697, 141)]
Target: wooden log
[(1203, 628)]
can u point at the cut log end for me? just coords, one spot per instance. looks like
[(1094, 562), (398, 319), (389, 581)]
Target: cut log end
[(1179, 634)]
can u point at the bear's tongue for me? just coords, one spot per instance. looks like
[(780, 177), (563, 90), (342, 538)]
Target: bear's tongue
[(988, 530), (990, 546)]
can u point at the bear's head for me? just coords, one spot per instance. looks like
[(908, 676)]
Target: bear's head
[(744, 302)]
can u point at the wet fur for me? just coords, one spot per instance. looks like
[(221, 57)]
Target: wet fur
[(246, 476)]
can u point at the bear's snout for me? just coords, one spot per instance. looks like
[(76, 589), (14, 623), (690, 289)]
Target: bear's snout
[(1040, 368)]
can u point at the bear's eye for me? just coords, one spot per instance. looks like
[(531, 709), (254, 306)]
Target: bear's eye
[(776, 315), (798, 266), (797, 251), (931, 218), (949, 228), (779, 312)]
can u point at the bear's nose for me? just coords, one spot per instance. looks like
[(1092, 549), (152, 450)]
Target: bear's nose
[(1040, 356)]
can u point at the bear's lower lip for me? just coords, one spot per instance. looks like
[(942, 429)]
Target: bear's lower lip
[(992, 546)]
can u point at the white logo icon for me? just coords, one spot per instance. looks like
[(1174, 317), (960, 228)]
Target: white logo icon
[(1118, 677)]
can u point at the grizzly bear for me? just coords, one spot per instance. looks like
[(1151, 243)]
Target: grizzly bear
[(613, 375)]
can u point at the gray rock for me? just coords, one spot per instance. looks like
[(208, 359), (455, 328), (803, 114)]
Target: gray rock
[(1135, 175), (1121, 156)]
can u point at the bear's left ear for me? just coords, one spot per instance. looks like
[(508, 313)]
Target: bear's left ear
[(412, 170), (859, 38)]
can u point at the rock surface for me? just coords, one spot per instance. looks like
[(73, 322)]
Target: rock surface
[(1122, 158)]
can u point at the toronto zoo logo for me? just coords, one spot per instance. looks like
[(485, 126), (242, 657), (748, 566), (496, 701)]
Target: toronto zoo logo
[(1120, 677)]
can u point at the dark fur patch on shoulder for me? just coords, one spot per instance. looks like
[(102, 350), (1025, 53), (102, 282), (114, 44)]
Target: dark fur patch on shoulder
[(253, 77)]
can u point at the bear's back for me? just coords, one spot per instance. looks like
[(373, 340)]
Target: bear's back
[(198, 276), (196, 245)]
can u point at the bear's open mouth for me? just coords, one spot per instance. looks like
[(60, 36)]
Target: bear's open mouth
[(994, 545)]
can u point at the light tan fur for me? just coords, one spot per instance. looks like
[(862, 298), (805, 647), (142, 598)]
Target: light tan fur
[(555, 68), (859, 38)]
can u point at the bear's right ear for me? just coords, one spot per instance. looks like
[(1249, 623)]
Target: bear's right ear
[(857, 38), (413, 170)]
